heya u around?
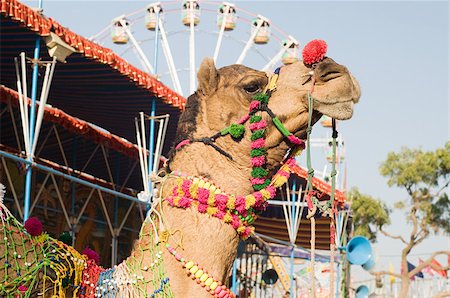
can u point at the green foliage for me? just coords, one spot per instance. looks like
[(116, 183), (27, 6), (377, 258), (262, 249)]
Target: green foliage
[(424, 175), (369, 214)]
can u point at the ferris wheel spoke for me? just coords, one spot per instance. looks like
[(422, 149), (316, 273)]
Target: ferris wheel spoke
[(143, 58), (192, 50), (169, 59), (291, 42), (250, 41), (222, 30)]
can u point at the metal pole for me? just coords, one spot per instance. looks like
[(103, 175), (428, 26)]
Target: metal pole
[(114, 244), (27, 196), (151, 143), (68, 177), (293, 226), (192, 49)]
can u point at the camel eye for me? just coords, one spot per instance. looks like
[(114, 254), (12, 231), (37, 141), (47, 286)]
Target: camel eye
[(251, 88)]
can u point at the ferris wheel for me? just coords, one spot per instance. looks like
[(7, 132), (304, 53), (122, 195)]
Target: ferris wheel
[(190, 29)]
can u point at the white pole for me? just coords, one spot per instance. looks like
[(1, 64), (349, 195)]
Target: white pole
[(300, 206), (192, 49), (22, 106), (141, 158), (249, 42), (158, 146), (25, 100), (275, 58), (278, 56), (222, 30), (144, 141), (166, 121), (169, 59), (147, 65), (43, 101)]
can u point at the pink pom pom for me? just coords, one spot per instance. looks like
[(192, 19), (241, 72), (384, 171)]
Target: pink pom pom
[(91, 254), (240, 204), (221, 201), (254, 105), (22, 289), (314, 51), (220, 214), (184, 202), (258, 161), (258, 143), (257, 180), (33, 226), (272, 190), (202, 208), (203, 195), (258, 125)]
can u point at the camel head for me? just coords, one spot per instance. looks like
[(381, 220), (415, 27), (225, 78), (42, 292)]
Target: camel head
[(225, 94)]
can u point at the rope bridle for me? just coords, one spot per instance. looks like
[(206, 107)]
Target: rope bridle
[(263, 107)]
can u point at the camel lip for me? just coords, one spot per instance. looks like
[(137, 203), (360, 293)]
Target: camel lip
[(335, 102)]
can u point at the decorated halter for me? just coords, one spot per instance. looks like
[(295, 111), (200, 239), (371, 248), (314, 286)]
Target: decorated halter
[(241, 211)]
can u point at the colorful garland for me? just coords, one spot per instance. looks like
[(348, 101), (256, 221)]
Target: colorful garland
[(239, 211), (201, 275)]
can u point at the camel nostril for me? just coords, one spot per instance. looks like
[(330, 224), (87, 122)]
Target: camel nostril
[(330, 75)]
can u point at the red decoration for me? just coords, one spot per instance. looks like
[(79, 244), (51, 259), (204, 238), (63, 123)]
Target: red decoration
[(314, 51), (33, 226), (91, 254)]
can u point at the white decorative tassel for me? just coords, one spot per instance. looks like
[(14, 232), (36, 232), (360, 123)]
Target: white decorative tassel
[(2, 193)]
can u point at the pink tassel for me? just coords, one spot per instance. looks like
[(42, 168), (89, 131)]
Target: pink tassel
[(182, 143), (184, 202), (240, 204), (257, 181), (272, 191), (220, 214), (258, 125), (258, 143), (203, 195), (244, 119), (254, 105), (258, 161), (294, 140), (202, 208)]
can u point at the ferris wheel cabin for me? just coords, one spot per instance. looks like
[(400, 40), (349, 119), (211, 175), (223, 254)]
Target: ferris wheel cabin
[(292, 51), (151, 15), (119, 31), (227, 14), (190, 12), (261, 30)]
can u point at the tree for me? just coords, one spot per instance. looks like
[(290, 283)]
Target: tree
[(425, 175), (369, 214)]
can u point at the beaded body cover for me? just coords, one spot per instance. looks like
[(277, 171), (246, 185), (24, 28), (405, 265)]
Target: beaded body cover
[(32, 266)]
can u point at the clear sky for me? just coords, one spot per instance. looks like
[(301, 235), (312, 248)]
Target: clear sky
[(399, 52)]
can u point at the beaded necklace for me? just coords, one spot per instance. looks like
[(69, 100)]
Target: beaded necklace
[(239, 211)]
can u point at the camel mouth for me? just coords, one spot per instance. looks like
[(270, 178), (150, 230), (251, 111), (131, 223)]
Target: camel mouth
[(339, 110)]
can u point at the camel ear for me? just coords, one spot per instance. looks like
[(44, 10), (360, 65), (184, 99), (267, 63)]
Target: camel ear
[(208, 77)]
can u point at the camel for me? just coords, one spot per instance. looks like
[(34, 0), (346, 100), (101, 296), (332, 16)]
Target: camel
[(183, 250)]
